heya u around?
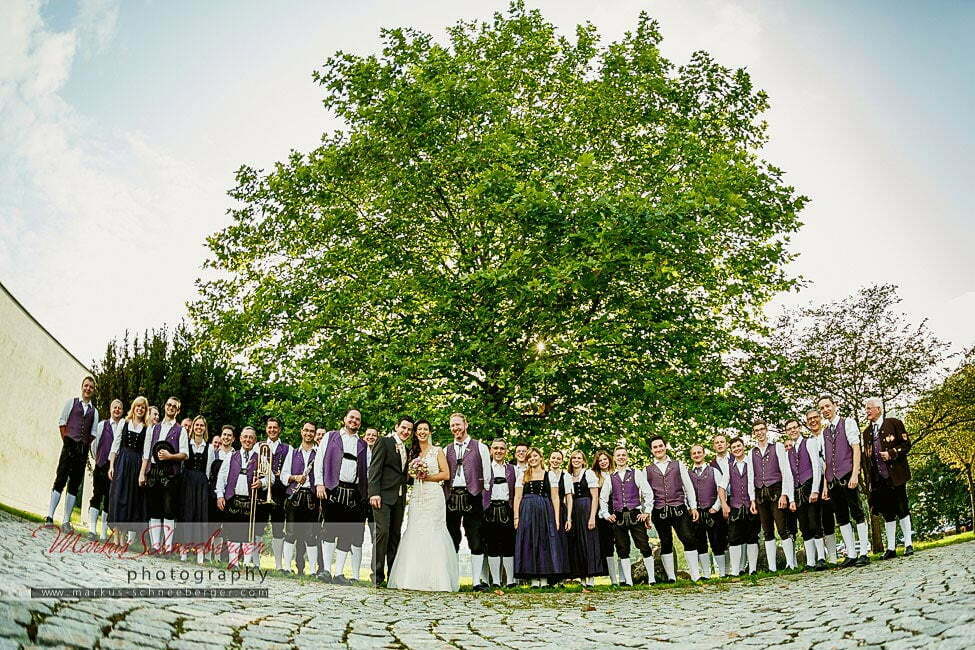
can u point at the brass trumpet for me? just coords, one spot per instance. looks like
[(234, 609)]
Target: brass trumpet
[(263, 471)]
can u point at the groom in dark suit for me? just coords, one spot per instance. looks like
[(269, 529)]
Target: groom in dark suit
[(387, 496)]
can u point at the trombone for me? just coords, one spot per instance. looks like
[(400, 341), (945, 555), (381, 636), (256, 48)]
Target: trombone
[(263, 471)]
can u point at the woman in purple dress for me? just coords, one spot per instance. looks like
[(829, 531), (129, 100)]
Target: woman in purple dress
[(538, 554)]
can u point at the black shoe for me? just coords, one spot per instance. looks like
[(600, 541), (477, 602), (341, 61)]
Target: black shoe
[(66, 528), (93, 537), (480, 587), (848, 562), (324, 576), (821, 565), (863, 560), (889, 554), (909, 550), (510, 585), (48, 520), (340, 580)]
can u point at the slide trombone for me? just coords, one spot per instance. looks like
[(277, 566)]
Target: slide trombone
[(263, 471)]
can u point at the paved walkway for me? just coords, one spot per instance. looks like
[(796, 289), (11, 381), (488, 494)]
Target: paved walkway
[(924, 601)]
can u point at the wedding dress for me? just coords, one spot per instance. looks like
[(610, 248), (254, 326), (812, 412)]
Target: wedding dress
[(426, 559)]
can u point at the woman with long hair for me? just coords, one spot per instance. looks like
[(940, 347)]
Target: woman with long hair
[(563, 524), (193, 529), (537, 509), (126, 501), (585, 555), (602, 468)]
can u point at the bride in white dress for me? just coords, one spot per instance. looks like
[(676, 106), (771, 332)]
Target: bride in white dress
[(426, 559)]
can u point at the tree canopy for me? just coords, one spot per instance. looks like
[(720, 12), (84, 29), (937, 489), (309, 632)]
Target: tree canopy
[(558, 237)]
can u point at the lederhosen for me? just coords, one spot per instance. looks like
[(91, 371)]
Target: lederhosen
[(807, 517), (301, 510), (627, 526), (499, 525), (743, 526), (74, 453), (770, 515), (668, 519), (343, 512)]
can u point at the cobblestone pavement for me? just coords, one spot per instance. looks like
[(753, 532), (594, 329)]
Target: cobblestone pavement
[(924, 601)]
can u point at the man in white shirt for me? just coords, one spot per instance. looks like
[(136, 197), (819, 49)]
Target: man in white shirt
[(674, 508), (301, 504), (709, 482), (805, 464), (815, 426), (773, 493), (160, 475), (625, 500), (274, 512), (743, 523), (387, 496), (469, 463), (77, 425), (101, 448), (841, 450), (499, 530), (236, 481)]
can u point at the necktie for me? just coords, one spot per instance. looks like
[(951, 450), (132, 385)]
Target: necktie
[(401, 450)]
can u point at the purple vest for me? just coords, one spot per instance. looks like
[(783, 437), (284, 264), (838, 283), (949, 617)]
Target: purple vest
[(79, 423), (332, 463), (738, 485), (277, 458), (668, 489), (766, 466), (172, 438), (473, 470), (880, 465), (509, 478), (234, 474), (705, 486), (298, 468), (800, 463), (838, 452), (626, 494), (104, 444)]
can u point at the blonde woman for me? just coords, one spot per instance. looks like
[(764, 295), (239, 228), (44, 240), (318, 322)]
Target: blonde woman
[(193, 528), (538, 556), (585, 556), (126, 501)]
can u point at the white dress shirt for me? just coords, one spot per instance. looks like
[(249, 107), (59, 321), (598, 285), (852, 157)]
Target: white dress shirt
[(116, 430), (66, 412), (182, 448), (350, 445), (240, 487), (690, 496), (646, 492), (850, 426), (460, 450), (782, 457), (720, 479), (813, 448), (723, 463), (285, 475), (553, 480), (499, 491)]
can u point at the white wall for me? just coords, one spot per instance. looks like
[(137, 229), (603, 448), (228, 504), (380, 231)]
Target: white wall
[(37, 375)]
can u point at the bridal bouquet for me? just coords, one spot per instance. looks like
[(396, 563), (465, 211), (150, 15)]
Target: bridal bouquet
[(418, 469)]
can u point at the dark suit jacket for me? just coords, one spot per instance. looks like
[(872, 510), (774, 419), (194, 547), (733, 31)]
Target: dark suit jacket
[(386, 478), (893, 440)]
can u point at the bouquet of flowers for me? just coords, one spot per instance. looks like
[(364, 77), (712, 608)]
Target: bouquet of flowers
[(417, 469)]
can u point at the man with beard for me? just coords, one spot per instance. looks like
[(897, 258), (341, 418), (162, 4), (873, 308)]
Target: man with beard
[(341, 482)]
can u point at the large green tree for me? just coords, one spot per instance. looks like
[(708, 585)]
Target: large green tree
[(562, 238)]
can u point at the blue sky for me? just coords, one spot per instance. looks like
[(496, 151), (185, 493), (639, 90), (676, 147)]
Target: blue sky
[(121, 125)]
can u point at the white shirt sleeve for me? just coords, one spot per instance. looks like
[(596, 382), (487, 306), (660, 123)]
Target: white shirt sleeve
[(604, 493), (591, 479), (285, 474), (184, 442), (485, 464), (721, 478), (751, 478), (222, 476), (117, 440), (519, 479), (319, 469), (816, 460), (147, 443), (788, 484), (690, 496), (646, 492), (94, 421), (852, 432), (567, 483), (93, 447), (65, 412)]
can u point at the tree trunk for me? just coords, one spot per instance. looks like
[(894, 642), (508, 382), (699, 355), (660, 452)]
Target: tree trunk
[(876, 540), (971, 490)]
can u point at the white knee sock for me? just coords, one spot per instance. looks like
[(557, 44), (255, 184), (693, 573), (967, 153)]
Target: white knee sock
[(693, 567), (508, 562), (104, 524), (734, 552), (668, 562), (752, 557), (155, 534), (890, 527), (69, 500), (719, 562), (863, 534), (55, 500), (130, 537), (311, 559), (199, 556), (256, 552), (906, 530), (340, 557), (328, 551), (182, 556), (704, 560), (810, 546), (820, 549), (627, 576), (849, 541), (287, 554), (789, 548), (277, 543), (648, 565), (770, 554), (494, 565), (169, 533), (477, 566), (611, 569), (829, 542), (93, 520), (233, 553), (356, 553)]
